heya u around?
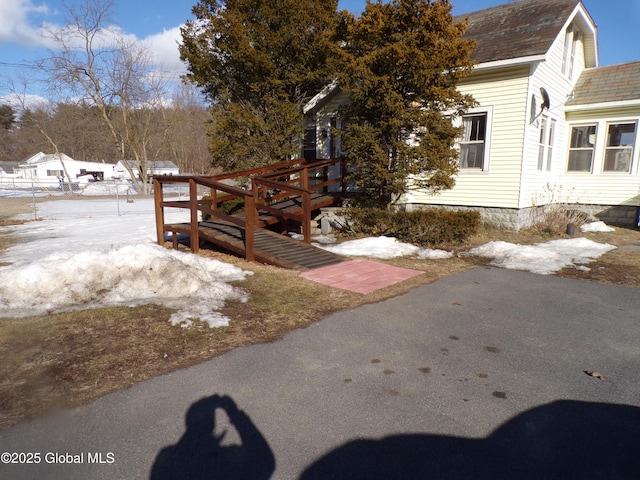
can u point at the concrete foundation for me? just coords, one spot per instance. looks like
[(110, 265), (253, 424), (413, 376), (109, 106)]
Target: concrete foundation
[(517, 219)]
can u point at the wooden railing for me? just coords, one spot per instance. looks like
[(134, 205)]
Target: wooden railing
[(269, 184), (208, 207)]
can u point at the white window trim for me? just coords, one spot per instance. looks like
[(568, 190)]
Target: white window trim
[(570, 51), (594, 158), (457, 122), (634, 150), (602, 130), (549, 144)]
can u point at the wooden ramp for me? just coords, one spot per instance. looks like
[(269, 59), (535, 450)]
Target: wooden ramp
[(269, 247), (278, 194)]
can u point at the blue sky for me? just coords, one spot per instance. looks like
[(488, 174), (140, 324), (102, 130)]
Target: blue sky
[(157, 22)]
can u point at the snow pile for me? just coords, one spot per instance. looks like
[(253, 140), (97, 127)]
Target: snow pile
[(128, 275), (108, 188), (382, 247), (597, 227), (83, 254), (542, 258)]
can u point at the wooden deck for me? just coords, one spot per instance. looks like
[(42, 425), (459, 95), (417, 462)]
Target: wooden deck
[(279, 194)]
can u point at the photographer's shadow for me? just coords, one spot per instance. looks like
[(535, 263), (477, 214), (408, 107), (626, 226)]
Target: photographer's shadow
[(200, 454)]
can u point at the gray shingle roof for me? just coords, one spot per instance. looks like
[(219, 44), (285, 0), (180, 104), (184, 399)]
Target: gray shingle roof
[(518, 29), (612, 83)]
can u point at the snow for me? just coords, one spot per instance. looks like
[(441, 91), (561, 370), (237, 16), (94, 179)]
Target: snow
[(596, 227), (542, 258), (83, 255), (94, 252), (383, 248)]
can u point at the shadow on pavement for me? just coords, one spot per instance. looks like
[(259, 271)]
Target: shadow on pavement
[(200, 454), (560, 440)]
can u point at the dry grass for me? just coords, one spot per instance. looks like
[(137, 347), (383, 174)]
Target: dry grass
[(68, 359)]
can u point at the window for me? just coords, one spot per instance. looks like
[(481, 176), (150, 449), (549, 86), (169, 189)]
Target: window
[(473, 142), (583, 139), (550, 137), (571, 43), (619, 150), (309, 142), (545, 143), (55, 173)]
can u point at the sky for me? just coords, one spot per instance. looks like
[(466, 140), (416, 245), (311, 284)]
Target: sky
[(157, 23), (101, 252)]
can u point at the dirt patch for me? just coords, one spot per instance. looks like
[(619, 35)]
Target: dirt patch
[(10, 207)]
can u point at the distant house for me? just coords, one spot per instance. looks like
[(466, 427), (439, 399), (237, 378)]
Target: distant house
[(552, 126), (50, 170), (159, 167)]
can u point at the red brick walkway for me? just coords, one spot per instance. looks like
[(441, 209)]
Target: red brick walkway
[(361, 276)]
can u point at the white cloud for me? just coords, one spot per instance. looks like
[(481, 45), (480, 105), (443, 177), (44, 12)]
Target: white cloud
[(15, 26), (164, 48), (21, 102)]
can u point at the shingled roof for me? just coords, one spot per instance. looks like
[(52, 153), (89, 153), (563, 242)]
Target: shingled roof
[(614, 83), (518, 29)]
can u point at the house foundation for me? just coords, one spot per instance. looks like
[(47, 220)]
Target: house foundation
[(518, 218)]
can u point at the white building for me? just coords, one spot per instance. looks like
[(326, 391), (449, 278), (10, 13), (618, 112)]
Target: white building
[(51, 170)]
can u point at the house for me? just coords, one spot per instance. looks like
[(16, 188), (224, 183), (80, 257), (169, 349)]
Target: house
[(159, 167), (551, 125), (50, 170)]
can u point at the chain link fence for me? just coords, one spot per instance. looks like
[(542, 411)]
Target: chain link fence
[(24, 199)]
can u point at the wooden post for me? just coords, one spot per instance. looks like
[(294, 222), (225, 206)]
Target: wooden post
[(157, 200), (249, 223), (193, 206), (305, 178), (306, 217), (343, 172)]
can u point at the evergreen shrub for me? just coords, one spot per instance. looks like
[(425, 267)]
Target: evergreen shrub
[(428, 227)]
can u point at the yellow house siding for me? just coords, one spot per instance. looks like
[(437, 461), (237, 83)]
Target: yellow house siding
[(504, 93)]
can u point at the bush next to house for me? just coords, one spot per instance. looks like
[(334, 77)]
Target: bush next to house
[(230, 207), (428, 227)]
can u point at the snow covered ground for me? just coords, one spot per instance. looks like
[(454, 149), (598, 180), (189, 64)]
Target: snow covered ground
[(94, 252), (84, 254)]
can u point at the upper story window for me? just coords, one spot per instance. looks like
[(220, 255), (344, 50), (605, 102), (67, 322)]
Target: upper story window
[(618, 152), (571, 46)]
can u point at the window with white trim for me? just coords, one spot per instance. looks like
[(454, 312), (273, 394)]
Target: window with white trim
[(571, 45), (618, 153), (545, 143), (474, 141), (581, 148)]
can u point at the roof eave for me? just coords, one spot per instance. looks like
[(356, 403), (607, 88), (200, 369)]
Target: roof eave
[(602, 105), (511, 62)]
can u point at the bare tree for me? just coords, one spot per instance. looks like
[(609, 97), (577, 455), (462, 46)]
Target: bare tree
[(90, 58), (185, 138)]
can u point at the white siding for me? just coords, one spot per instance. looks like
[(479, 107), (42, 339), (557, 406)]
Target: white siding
[(542, 187), (323, 124), (504, 90)]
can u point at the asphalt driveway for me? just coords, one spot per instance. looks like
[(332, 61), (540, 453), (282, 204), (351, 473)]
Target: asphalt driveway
[(478, 375)]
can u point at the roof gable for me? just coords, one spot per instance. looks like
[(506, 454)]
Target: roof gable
[(524, 28)]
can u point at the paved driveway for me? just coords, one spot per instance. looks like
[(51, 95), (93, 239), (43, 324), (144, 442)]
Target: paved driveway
[(479, 375)]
